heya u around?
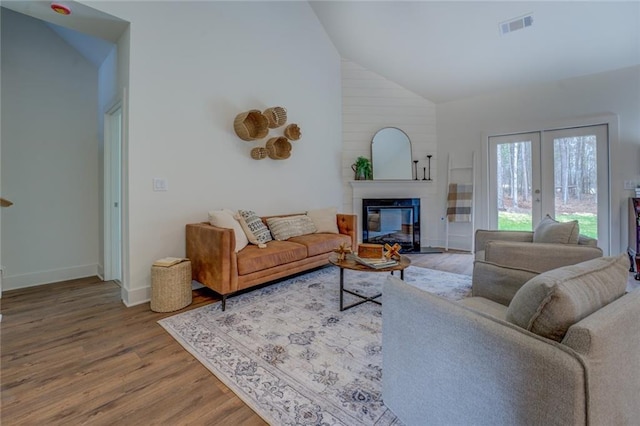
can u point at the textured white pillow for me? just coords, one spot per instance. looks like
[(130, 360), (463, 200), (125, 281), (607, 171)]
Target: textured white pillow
[(549, 303), (248, 232), (552, 231), (224, 219), (283, 228), (325, 219), (254, 226)]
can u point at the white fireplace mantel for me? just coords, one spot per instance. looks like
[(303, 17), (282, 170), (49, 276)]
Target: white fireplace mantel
[(425, 190), (413, 185)]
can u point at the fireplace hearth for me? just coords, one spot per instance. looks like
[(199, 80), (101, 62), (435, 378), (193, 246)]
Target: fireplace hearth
[(392, 220)]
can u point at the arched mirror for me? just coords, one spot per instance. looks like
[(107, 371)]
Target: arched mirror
[(391, 154)]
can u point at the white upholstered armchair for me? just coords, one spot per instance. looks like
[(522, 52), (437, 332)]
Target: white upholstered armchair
[(565, 351), (504, 260)]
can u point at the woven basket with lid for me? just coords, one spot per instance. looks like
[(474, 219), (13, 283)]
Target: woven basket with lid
[(171, 287)]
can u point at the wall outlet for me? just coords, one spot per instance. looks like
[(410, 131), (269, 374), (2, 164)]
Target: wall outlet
[(629, 184), (160, 184)]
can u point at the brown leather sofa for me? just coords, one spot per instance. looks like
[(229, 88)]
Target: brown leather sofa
[(215, 264)]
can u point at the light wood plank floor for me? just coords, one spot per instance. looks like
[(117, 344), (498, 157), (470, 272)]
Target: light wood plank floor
[(72, 353)]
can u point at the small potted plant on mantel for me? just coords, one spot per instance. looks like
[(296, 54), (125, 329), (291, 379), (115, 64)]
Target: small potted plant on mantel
[(362, 168)]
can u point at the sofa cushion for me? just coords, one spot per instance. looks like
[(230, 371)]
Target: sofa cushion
[(485, 306), (497, 282), (253, 259), (255, 226), (551, 302), (324, 219), (224, 218), (321, 243), (283, 228), (552, 231)]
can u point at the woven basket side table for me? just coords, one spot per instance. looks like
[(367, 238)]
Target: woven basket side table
[(171, 287)]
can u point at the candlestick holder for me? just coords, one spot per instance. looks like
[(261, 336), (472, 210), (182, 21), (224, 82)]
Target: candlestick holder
[(415, 169), (424, 173), (429, 164)]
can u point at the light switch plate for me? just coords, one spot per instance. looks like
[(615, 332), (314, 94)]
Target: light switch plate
[(160, 184), (629, 184)]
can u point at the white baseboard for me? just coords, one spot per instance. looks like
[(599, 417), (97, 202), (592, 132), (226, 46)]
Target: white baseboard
[(33, 279), (100, 272), (136, 296), (143, 295)]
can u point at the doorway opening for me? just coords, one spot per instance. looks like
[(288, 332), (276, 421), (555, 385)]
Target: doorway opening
[(113, 194)]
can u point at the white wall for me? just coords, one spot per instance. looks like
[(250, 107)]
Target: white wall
[(371, 102), (49, 156), (192, 69), (461, 125)]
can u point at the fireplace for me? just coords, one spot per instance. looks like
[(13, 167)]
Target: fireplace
[(392, 220)]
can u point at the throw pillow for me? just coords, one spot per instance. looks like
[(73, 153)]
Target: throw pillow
[(252, 238), (255, 227), (552, 231), (283, 228), (553, 301), (325, 220), (223, 218)]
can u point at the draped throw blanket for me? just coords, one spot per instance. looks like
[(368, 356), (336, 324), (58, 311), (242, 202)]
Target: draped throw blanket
[(459, 202)]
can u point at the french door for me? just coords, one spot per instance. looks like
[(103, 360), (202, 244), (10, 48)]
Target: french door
[(563, 173)]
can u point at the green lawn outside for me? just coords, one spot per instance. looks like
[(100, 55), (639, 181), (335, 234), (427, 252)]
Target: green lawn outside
[(522, 222)]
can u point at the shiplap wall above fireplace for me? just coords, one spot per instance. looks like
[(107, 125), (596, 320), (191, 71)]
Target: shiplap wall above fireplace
[(371, 102)]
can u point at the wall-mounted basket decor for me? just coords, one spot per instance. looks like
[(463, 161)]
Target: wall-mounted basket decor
[(251, 125), (259, 153), (292, 132), (276, 116), (279, 148)]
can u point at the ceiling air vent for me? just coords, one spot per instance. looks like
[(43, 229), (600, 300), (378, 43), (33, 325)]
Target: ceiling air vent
[(516, 24)]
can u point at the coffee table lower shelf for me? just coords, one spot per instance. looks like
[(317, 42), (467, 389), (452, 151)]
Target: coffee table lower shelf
[(364, 298)]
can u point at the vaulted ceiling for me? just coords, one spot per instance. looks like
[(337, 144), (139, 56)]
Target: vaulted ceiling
[(447, 50), (441, 50)]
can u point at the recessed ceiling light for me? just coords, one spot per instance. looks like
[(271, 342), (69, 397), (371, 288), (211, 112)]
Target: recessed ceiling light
[(61, 9)]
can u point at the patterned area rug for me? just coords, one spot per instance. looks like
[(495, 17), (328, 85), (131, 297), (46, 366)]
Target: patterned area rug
[(289, 353)]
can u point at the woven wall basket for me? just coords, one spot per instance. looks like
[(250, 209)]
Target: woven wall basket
[(259, 153), (292, 132), (279, 148), (276, 116), (251, 125)]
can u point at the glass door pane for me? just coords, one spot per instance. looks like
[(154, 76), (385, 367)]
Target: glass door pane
[(514, 187), (579, 179), (575, 182)]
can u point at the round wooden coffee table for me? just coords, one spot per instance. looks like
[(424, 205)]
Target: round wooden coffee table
[(403, 263)]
